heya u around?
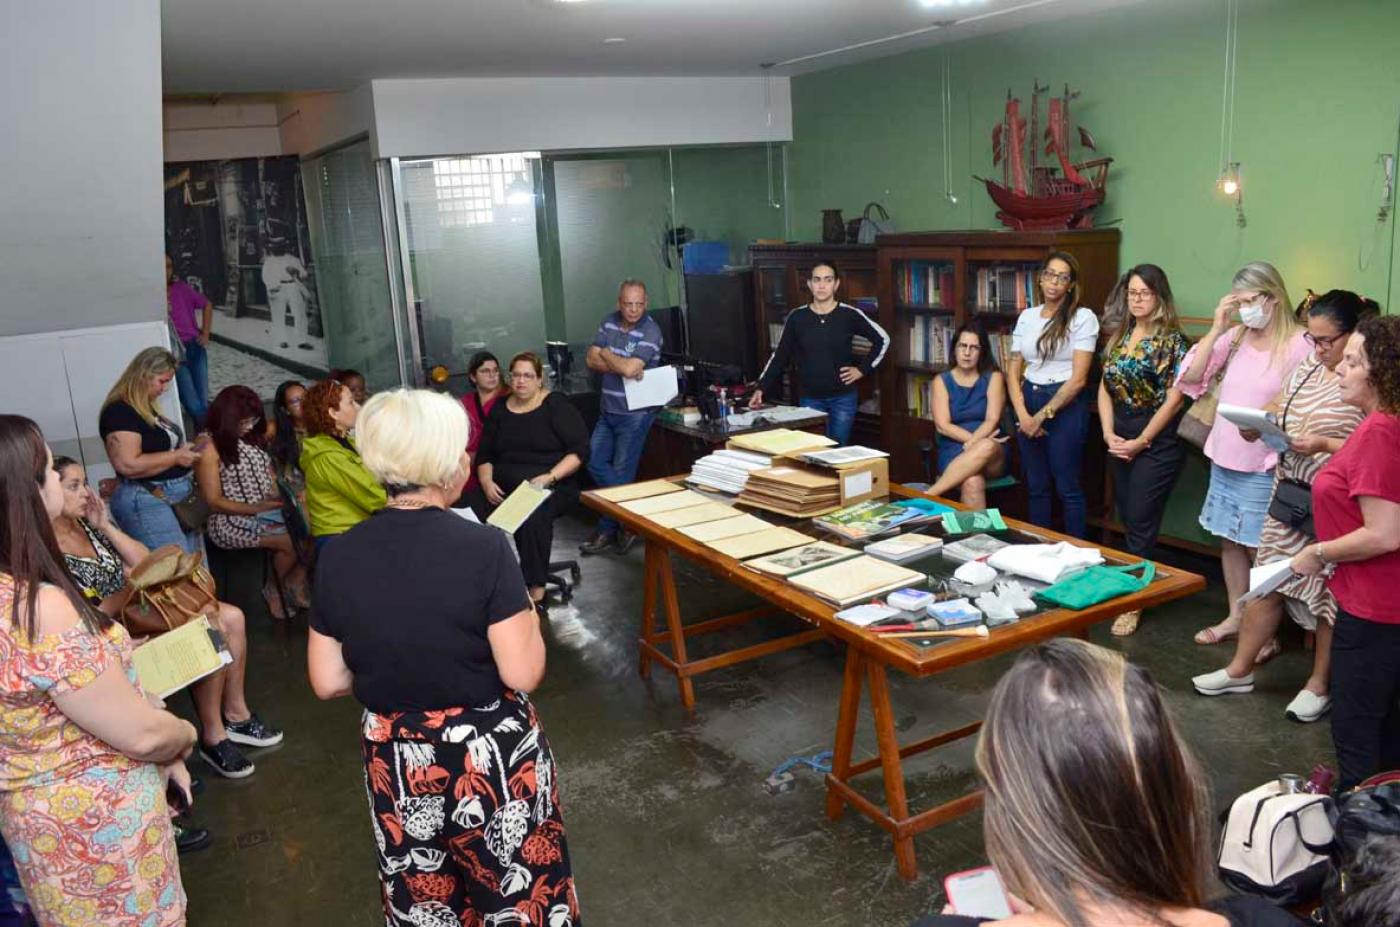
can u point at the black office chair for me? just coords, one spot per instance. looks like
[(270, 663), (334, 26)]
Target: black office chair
[(555, 578)]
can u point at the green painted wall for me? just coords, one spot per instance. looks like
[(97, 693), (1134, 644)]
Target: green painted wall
[(1317, 101)]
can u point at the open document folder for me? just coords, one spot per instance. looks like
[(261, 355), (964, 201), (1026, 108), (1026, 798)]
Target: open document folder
[(517, 507), (1265, 579), (171, 661), (657, 387)]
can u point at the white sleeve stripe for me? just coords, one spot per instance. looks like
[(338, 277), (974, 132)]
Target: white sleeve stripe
[(884, 336)]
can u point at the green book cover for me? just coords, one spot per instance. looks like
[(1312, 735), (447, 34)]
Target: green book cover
[(978, 520)]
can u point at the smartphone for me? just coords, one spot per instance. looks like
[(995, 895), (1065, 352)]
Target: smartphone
[(978, 893)]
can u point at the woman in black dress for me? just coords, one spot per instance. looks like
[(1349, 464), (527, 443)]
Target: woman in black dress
[(539, 436)]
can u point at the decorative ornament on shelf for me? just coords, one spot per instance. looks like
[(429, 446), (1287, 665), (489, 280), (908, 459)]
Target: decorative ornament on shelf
[(833, 227), (1043, 199)]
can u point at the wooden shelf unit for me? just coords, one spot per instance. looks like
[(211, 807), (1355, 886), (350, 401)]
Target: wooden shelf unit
[(780, 286), (966, 253)]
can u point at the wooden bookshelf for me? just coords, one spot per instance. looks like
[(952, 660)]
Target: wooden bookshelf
[(978, 281), (780, 285)]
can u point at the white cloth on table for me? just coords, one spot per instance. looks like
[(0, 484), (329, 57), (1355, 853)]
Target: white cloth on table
[(1048, 563)]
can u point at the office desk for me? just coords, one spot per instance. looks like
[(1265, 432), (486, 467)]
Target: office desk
[(673, 448), (869, 657)]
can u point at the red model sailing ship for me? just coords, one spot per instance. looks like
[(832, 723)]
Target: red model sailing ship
[(1045, 200)]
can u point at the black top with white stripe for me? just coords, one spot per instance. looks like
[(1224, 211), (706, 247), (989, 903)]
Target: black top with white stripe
[(821, 346)]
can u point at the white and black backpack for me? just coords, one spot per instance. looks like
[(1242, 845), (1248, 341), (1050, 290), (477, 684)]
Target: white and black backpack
[(1276, 844)]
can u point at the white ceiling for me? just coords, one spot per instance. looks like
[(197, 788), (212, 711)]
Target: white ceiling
[(249, 46)]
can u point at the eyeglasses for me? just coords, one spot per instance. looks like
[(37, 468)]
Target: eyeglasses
[(1140, 295), (523, 375), (1317, 342), (969, 347), (1056, 278)]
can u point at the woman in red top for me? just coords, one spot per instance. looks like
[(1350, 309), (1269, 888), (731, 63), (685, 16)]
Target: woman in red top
[(1356, 509), (484, 372)]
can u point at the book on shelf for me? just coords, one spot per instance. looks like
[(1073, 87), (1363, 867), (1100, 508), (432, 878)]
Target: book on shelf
[(927, 284), (930, 339), (1001, 348), (1005, 287), (870, 305), (801, 559), (865, 519), (859, 578)]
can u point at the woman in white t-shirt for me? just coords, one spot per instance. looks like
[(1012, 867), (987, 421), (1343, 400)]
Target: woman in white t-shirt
[(1052, 349)]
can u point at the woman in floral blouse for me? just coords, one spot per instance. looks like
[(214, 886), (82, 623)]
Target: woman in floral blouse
[(1139, 408), (85, 759)]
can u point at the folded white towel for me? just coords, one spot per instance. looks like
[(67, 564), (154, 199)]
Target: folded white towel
[(1048, 563)]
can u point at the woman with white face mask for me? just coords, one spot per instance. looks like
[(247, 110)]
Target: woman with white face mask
[(1257, 356)]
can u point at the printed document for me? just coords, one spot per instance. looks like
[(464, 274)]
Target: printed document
[(169, 662), (657, 387), (517, 507)]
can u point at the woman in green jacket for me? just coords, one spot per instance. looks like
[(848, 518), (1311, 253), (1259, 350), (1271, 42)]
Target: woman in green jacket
[(340, 492)]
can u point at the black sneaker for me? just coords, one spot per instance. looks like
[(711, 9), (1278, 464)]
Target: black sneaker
[(227, 760), (596, 545), (189, 838), (625, 542), (253, 732)]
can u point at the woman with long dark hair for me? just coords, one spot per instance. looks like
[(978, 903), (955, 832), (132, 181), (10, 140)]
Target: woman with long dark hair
[(1139, 407), (1052, 349), (288, 431), (1096, 811), (85, 757), (968, 399), (239, 484)]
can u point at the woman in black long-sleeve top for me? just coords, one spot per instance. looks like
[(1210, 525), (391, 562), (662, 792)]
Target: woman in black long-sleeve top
[(539, 436)]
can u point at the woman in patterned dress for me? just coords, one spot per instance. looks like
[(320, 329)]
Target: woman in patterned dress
[(237, 479), (1317, 421), (424, 617), (1139, 408), (85, 758)]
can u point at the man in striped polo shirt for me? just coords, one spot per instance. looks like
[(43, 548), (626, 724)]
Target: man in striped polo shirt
[(628, 342)]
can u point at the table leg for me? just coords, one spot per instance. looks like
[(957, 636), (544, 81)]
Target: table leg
[(666, 579), (845, 730), (890, 765), (648, 609)]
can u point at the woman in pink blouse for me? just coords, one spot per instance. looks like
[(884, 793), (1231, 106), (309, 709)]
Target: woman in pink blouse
[(1257, 356)]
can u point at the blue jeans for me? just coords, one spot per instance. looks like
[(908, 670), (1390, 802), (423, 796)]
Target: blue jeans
[(840, 414), (1055, 458), (148, 518), (615, 450), (192, 378)]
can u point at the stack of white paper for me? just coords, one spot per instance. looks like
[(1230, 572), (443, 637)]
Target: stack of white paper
[(728, 471)]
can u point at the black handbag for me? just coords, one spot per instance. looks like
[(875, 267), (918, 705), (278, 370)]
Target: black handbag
[(1292, 506)]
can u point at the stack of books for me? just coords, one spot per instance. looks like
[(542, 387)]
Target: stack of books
[(1005, 287), (856, 579), (791, 491), (727, 471), (925, 284), (866, 519), (835, 458), (930, 341)]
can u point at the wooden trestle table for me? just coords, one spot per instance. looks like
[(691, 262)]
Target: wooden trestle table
[(869, 656)]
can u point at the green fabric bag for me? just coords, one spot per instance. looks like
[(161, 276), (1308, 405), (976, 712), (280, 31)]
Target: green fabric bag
[(1097, 584)]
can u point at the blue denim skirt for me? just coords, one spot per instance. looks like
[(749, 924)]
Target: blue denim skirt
[(1236, 504)]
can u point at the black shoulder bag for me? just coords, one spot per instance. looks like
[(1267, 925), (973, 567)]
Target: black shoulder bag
[(1292, 502)]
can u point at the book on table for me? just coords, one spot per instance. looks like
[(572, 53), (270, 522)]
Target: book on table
[(972, 547), (837, 457), (792, 490), (856, 579), (665, 503), (724, 528), (801, 559), (780, 441), (903, 547), (692, 515), (865, 519), (973, 521), (745, 546), (630, 491)]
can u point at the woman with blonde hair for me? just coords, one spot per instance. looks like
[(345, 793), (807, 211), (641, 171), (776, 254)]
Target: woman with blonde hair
[(1096, 812), (149, 453), (424, 617), (1139, 407), (1254, 359)]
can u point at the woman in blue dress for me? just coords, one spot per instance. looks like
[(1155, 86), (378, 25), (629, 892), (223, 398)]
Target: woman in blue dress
[(968, 400)]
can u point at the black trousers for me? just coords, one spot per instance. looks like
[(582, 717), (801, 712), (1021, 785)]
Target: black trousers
[(1141, 486), (1365, 697)]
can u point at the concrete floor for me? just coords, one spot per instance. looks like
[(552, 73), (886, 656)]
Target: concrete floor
[(667, 819)]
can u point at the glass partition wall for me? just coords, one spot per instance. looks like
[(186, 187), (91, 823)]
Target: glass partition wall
[(436, 258)]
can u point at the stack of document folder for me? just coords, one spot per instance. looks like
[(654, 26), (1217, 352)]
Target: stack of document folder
[(792, 491), (727, 471)]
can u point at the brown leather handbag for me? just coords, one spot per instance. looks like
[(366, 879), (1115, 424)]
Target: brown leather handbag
[(1195, 426), (166, 590)]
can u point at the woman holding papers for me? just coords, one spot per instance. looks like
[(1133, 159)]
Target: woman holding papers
[(1052, 349), (1317, 422), (87, 757), (99, 555), (968, 400), (340, 492), (1256, 357), (423, 617), (534, 436), (1139, 407), (1356, 507)]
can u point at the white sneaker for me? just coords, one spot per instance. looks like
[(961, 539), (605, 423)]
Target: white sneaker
[(1222, 683), (1307, 707)]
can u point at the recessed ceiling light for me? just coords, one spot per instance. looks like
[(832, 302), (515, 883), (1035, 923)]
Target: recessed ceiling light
[(615, 40)]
